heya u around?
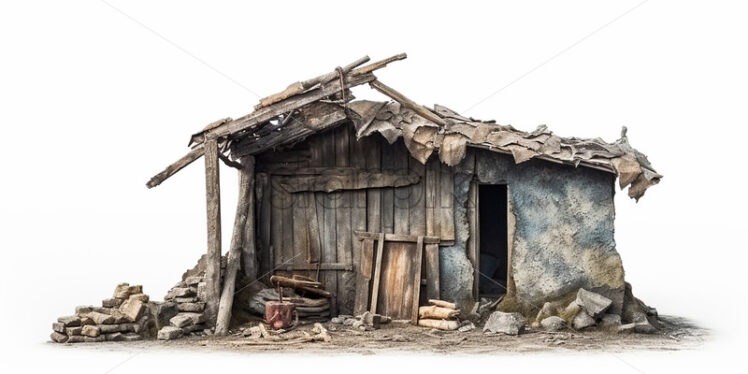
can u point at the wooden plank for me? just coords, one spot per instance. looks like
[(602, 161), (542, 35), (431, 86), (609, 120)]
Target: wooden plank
[(397, 237), (263, 221), (213, 202), (431, 253), (446, 204), (408, 103), (338, 266), (315, 237), (249, 247), (401, 194), (178, 165), (346, 280), (417, 199), (377, 273), (263, 115), (351, 181), (473, 244), (363, 276), (373, 160), (416, 270), (431, 181), (276, 224), (388, 194), (357, 154), (328, 208), (236, 248), (302, 250), (511, 220)]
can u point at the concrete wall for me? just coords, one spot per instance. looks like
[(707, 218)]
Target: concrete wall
[(564, 237)]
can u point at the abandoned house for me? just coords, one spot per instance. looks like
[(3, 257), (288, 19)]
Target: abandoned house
[(389, 204)]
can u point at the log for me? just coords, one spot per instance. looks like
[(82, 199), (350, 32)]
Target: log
[(378, 65), (433, 311), (443, 304), (299, 87), (249, 255), (408, 103), (178, 165), (439, 324), (244, 206), (316, 291), (293, 283), (213, 202)]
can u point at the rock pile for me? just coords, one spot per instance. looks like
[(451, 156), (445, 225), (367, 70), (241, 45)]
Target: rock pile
[(124, 317), (183, 311), (590, 309), (365, 322)]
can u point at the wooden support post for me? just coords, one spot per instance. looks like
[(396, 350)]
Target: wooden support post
[(249, 256), (238, 242), (213, 199)]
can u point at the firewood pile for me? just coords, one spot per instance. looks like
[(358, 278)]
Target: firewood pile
[(440, 315), (306, 308), (124, 317)]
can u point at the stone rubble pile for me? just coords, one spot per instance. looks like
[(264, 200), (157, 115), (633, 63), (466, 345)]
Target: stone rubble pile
[(590, 310), (183, 311), (124, 317)]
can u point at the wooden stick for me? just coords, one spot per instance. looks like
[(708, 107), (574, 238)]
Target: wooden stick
[(408, 103), (378, 65), (295, 283), (417, 262), (377, 274), (213, 202), (235, 251), (442, 303), (176, 166), (299, 87)]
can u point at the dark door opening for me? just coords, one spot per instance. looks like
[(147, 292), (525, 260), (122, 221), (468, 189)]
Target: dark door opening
[(493, 259)]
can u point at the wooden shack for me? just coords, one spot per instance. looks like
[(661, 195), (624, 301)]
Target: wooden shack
[(389, 203)]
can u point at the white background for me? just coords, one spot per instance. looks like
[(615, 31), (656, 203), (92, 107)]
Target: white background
[(95, 100)]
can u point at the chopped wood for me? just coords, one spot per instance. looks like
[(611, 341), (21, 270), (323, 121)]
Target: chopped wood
[(443, 304), (178, 165), (408, 103), (299, 87), (440, 324), (433, 311)]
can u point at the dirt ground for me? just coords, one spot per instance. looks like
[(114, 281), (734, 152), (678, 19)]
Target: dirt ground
[(677, 334)]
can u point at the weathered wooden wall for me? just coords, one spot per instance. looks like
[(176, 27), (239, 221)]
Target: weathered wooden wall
[(312, 232)]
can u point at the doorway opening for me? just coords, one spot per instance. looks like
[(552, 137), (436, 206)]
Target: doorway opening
[(493, 258)]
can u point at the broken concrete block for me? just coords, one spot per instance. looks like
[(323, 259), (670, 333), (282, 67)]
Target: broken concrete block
[(582, 320), (191, 307), (163, 312), (132, 309), (337, 320), (592, 303), (70, 321), (82, 310), (109, 329), (101, 318), (553, 323), (192, 299), (193, 280), (103, 310), (610, 321), (181, 292), (58, 338), (202, 289), (58, 327), (87, 321), (186, 319), (640, 327), (91, 339), (122, 291), (90, 330), (139, 296), (349, 321), (169, 333), (505, 323), (70, 331), (111, 303)]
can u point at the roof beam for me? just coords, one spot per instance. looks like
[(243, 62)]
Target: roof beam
[(178, 165)]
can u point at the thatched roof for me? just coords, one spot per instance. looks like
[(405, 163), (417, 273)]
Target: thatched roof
[(318, 104)]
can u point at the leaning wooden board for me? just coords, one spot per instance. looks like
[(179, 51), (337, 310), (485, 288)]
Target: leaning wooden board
[(389, 274)]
